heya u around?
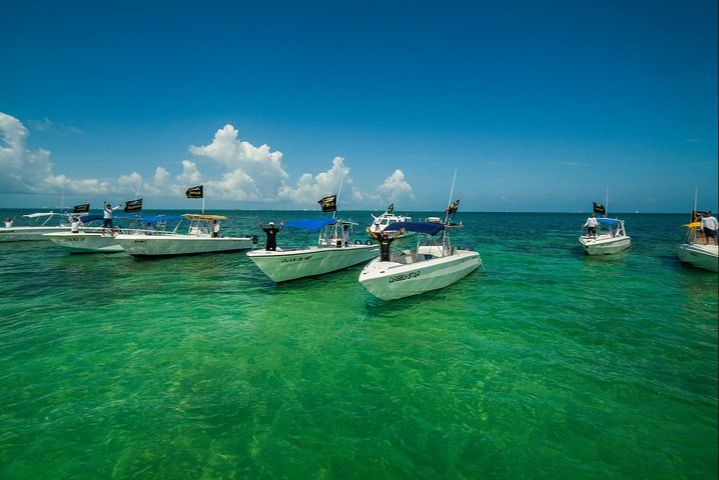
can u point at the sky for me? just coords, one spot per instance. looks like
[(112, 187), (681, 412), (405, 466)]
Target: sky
[(538, 106)]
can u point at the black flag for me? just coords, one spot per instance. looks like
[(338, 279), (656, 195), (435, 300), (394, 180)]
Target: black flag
[(390, 209), (133, 206), (84, 208), (194, 192), (599, 209), (329, 204), (452, 209)]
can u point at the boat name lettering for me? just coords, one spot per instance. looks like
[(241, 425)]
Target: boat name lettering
[(296, 259), (140, 241), (74, 239), (403, 276)]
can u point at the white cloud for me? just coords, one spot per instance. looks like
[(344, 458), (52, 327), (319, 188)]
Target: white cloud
[(310, 189), (190, 174), (256, 169), (395, 187)]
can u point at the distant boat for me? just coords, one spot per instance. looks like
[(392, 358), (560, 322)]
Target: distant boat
[(199, 239), (611, 238), (330, 254), (35, 227), (388, 218), (93, 239), (696, 254), (431, 266)]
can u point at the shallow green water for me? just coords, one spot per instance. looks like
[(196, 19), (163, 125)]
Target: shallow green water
[(548, 365)]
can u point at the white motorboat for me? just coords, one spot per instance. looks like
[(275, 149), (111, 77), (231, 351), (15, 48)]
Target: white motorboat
[(431, 266), (334, 251), (389, 218), (199, 239), (704, 256), (104, 240), (37, 225), (611, 238)]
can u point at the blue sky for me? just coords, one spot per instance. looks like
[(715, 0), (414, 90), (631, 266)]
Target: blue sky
[(540, 106)]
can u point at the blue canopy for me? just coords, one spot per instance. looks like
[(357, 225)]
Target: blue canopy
[(419, 227), (159, 218), (89, 218), (315, 225), (608, 221)]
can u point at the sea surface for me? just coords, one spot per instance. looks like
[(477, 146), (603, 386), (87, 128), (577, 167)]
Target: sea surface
[(549, 365)]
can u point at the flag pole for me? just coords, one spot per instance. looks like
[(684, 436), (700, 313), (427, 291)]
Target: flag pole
[(606, 203), (696, 198), (337, 199), (203, 202)]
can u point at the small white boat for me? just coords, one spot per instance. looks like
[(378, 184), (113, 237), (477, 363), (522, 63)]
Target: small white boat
[(98, 240), (389, 218), (199, 239), (334, 251), (696, 254), (38, 224), (431, 266), (611, 238)]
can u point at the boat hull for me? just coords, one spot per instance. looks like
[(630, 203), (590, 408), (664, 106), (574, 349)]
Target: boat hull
[(171, 245), (605, 245), (85, 242), (28, 234), (700, 256), (288, 265), (390, 280)]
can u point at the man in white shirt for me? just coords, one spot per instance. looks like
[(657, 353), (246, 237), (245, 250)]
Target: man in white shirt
[(215, 229), (107, 210), (8, 222), (346, 235), (74, 224), (591, 225), (709, 226)]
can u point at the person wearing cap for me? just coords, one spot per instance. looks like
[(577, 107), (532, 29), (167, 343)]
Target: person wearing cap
[(9, 221), (271, 233), (385, 242), (709, 226)]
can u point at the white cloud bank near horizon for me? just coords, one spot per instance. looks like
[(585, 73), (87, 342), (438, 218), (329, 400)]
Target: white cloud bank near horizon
[(246, 174)]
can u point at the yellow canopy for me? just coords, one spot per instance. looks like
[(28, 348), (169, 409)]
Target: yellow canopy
[(694, 225), (197, 216)]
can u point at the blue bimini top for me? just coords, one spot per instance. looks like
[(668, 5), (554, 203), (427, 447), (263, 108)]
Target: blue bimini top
[(315, 225), (607, 221), (419, 227)]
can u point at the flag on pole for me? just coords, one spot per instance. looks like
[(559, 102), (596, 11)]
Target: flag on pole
[(133, 206), (195, 192), (329, 204), (599, 209), (390, 209), (83, 208)]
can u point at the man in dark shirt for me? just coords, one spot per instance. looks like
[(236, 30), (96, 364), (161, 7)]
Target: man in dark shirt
[(271, 232), (385, 241)]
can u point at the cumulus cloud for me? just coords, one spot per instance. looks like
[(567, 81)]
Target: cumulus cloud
[(237, 170), (256, 170), (395, 187), (310, 188)]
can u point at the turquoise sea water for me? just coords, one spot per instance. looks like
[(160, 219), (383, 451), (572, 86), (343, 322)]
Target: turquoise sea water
[(550, 364)]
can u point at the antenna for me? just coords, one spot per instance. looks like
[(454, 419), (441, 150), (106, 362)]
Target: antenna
[(696, 197), (451, 193)]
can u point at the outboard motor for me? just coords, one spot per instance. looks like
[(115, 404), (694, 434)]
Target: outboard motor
[(254, 239)]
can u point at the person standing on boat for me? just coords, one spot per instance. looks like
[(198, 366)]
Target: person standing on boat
[(709, 226), (271, 233), (591, 225), (385, 242), (107, 210), (74, 224), (9, 221), (346, 240), (215, 229)]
